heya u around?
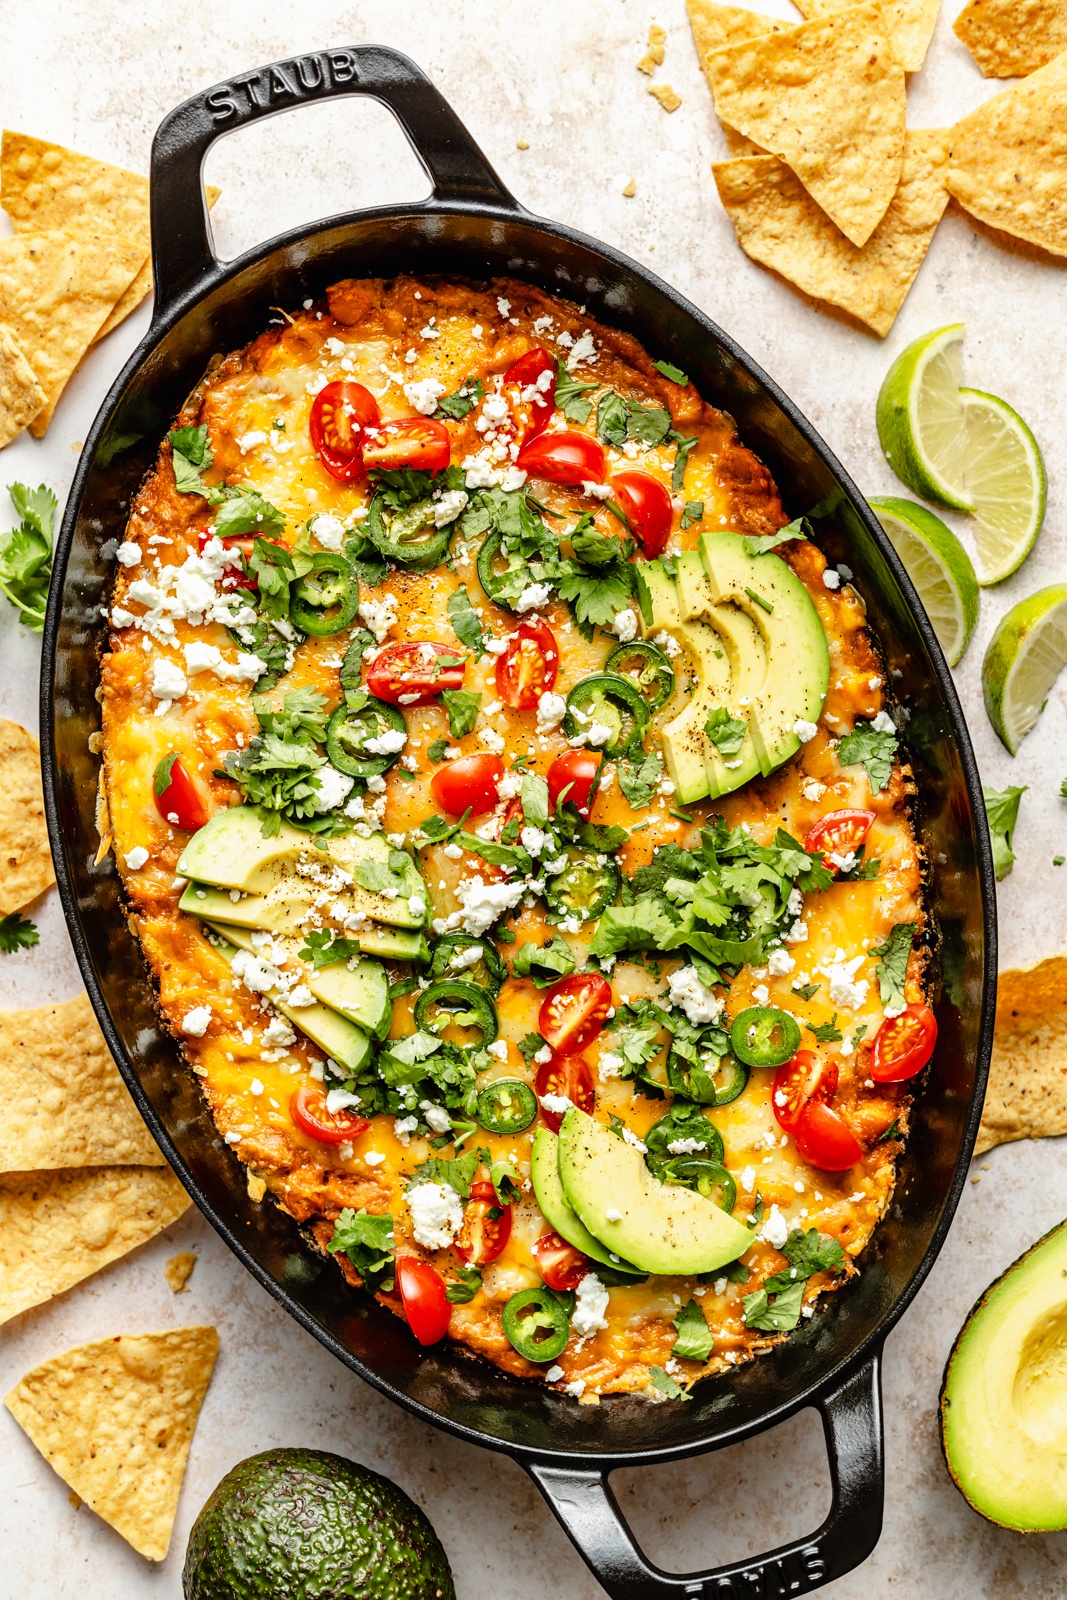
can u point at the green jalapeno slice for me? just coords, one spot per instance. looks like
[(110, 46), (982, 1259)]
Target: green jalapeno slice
[(458, 1005), (537, 1324), (611, 702), (507, 1105), (326, 599), (763, 1036), (409, 536), (349, 729), (645, 666), (451, 955), (585, 888), (709, 1178)]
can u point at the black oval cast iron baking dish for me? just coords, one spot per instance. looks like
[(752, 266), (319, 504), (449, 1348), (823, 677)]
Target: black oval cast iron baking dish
[(472, 227)]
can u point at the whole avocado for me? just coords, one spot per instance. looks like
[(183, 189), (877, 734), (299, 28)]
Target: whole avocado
[(308, 1525)]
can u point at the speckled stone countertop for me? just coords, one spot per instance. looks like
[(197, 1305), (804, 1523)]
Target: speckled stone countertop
[(98, 75)]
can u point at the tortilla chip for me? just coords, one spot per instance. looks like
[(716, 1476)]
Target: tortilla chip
[(716, 27), (910, 22), (1009, 159), (1027, 1093), (115, 1420), (657, 40), (668, 98), (1011, 38), (828, 99), (57, 1228), (179, 1269), (21, 396), (25, 859), (738, 145), (62, 1101), (779, 225)]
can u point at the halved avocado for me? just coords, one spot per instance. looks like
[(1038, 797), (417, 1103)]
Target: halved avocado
[(558, 1213), (360, 993), (658, 1227), (1004, 1395)]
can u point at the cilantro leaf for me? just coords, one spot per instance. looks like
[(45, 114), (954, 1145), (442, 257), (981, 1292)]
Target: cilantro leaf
[(529, 1045), (641, 926), (692, 512), (694, 1340), (26, 553), (813, 1252), (681, 461), (875, 748), (533, 797), (462, 707), (458, 1174), (892, 968), (17, 933), (640, 780), (669, 861), (464, 1286), (666, 1385), (366, 1238), (758, 544), (726, 733), (669, 370), (594, 549), (597, 594), (352, 664), (544, 963), (464, 400), (1002, 813), (376, 878), (568, 395), (806, 990), (618, 419), (324, 949), (779, 1315), (466, 623), (191, 455), (244, 511), (436, 751), (825, 1032)]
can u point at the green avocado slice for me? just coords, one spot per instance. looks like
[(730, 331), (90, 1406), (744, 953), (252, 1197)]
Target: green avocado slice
[(548, 1191)]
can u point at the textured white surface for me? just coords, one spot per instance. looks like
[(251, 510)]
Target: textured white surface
[(98, 74)]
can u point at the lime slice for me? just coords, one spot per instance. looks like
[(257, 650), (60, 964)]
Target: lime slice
[(920, 418), (1005, 477), (1025, 657), (938, 566)]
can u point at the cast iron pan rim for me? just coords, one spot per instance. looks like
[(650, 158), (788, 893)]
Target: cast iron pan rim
[(872, 1345)]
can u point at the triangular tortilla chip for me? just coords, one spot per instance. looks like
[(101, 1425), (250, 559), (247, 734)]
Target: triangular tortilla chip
[(779, 225), (911, 25), (1009, 159), (62, 1102), (57, 1228), (25, 859), (1027, 1093), (1012, 38), (716, 27), (115, 1419), (828, 99), (21, 396)]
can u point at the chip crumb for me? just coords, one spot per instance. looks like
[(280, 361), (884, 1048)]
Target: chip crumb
[(522, 144), (178, 1270), (257, 1187), (75, 1500), (630, 189), (668, 98)]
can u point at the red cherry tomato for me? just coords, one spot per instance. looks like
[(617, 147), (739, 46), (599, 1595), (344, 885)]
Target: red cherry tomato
[(799, 1081), (566, 457), (468, 781), (825, 1139), (422, 1291), (903, 1045), (534, 376), (574, 1011), (838, 834), (647, 504), (233, 577), (486, 1226), (177, 797), (570, 1076), (308, 1110), (528, 666), (562, 1266), (410, 674), (410, 442), (574, 775), (340, 416)]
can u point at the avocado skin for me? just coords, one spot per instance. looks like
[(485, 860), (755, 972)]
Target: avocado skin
[(308, 1525)]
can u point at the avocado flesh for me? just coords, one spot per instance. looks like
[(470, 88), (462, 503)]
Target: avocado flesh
[(307, 1523), (548, 1192), (359, 993), (282, 913), (1004, 1396), (736, 680), (661, 1228), (693, 763), (230, 852)]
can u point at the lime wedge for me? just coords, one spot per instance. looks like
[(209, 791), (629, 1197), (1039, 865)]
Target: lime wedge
[(938, 566), (1025, 657), (920, 418), (1005, 478)]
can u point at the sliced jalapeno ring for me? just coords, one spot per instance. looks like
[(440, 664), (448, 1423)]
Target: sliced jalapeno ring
[(585, 888), (347, 733), (704, 1176), (458, 1005), (536, 1323), (326, 599), (728, 1080), (451, 954), (507, 1105), (763, 1036), (647, 668), (492, 581), (408, 536), (610, 702), (669, 1130)]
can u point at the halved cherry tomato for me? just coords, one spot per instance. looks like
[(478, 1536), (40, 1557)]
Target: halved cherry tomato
[(528, 667), (486, 1226), (469, 781), (340, 416), (574, 1011), (839, 833), (418, 442), (825, 1139), (566, 1075), (410, 674), (566, 457), (178, 799), (575, 775), (534, 375), (804, 1078), (903, 1045), (422, 1291), (562, 1266), (647, 504), (233, 577), (308, 1110)]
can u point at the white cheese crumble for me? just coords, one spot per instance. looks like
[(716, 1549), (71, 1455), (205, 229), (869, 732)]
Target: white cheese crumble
[(883, 723), (448, 507), (831, 579), (845, 988), (558, 1104), (200, 657), (195, 1022), (128, 554), (437, 1214), (698, 1002), (533, 839), (805, 731), (613, 1215), (492, 740), (328, 530), (340, 1100), (483, 904), (584, 349), (780, 963), (387, 743), (136, 858), (334, 788), (813, 790), (590, 1304), (499, 1047), (404, 1127), (554, 1374), (551, 709), (533, 597), (748, 1179), (379, 615), (626, 625), (668, 644), (278, 1032), (168, 681), (775, 1229), (424, 394)]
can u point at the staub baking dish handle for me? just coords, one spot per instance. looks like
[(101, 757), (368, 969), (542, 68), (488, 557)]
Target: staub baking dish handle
[(852, 1420), (183, 258)]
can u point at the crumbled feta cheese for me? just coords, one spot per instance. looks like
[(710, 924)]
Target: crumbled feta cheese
[(334, 788), (379, 615), (248, 441), (610, 1064), (136, 858), (168, 681), (484, 903), (698, 1002), (437, 1214), (492, 740), (883, 723), (453, 851), (846, 989), (558, 1104), (613, 1215), (748, 1179), (805, 731), (844, 861), (685, 1147), (416, 905), (761, 994), (543, 1055), (423, 395), (626, 625), (590, 1304), (340, 1100), (533, 839), (576, 1388), (387, 743), (128, 554), (328, 530), (597, 491), (668, 644), (503, 306), (533, 597), (256, 1087), (813, 790), (775, 1229), (551, 709), (631, 1139), (554, 1374), (278, 1032), (584, 349), (797, 934), (499, 1047), (373, 1158), (301, 996), (449, 506), (404, 1127), (831, 579), (780, 963), (195, 1022)]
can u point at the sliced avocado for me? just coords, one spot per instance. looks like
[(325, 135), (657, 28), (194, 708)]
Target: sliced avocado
[(231, 852), (360, 993), (1004, 1396), (659, 1227), (348, 1045), (548, 1191), (352, 850), (740, 661), (691, 759), (396, 944), (275, 914)]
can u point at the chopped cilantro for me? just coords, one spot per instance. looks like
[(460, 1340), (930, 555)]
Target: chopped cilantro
[(1002, 813), (26, 553), (462, 707), (806, 991), (568, 395), (874, 748), (190, 456), (669, 370), (366, 1238), (639, 780), (464, 400), (533, 797), (892, 968), (17, 933), (693, 1340), (466, 623), (825, 1032), (458, 1174), (529, 1045), (666, 1385), (759, 544), (726, 733), (681, 460), (323, 949), (544, 963), (760, 601), (244, 510), (464, 1286), (436, 751), (692, 512), (618, 419), (779, 1315)]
